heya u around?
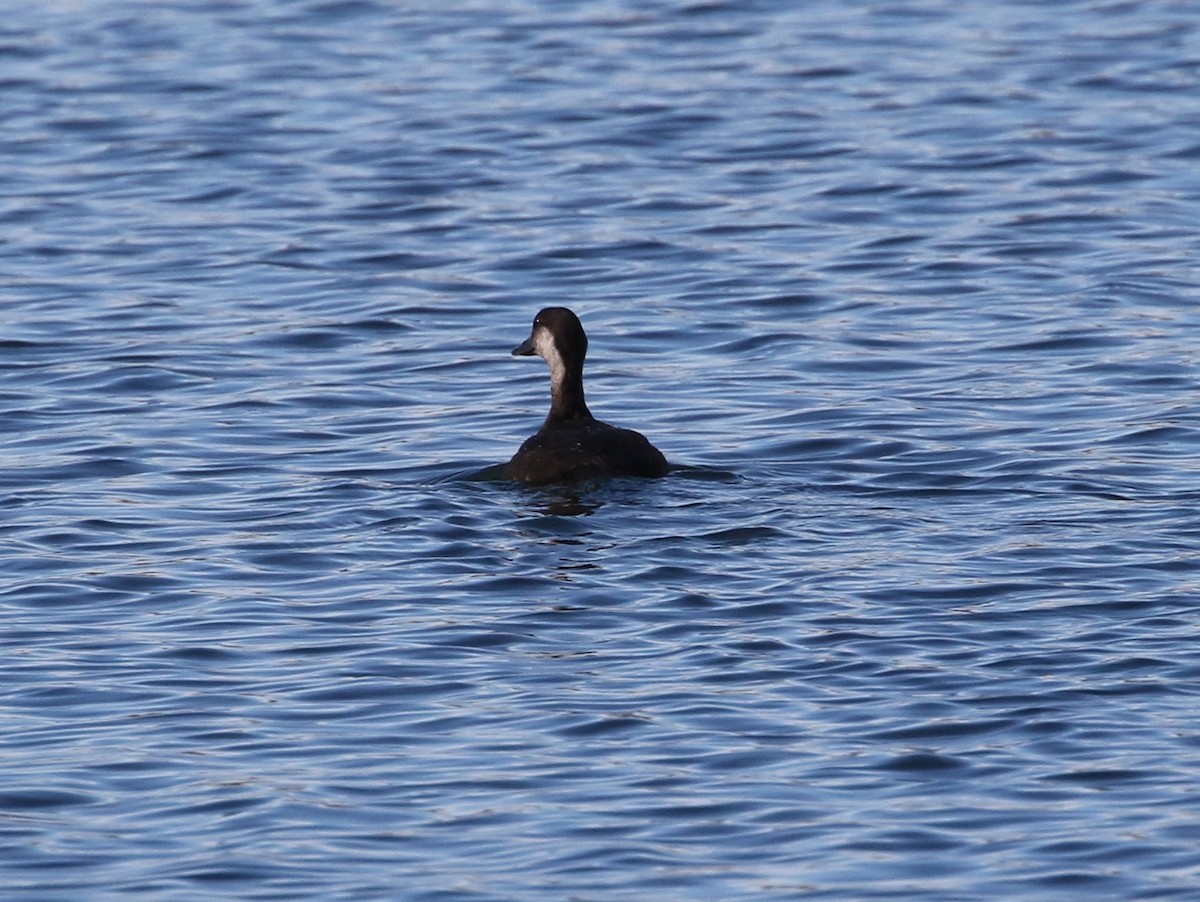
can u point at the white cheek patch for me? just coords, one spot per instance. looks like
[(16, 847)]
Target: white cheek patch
[(543, 344)]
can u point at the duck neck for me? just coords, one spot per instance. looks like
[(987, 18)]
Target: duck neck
[(566, 396)]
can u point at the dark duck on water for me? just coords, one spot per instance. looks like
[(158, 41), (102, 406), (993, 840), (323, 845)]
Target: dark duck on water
[(572, 444)]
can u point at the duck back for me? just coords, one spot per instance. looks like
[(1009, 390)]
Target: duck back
[(584, 449)]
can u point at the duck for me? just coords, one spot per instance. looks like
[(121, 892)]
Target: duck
[(571, 444)]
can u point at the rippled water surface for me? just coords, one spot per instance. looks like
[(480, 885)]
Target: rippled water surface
[(906, 290)]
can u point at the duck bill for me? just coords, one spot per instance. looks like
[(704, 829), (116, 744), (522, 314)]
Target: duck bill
[(525, 348)]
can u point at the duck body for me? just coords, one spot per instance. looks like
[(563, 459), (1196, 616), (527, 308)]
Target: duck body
[(580, 449), (572, 444)]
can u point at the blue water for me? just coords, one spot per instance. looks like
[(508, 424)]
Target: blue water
[(907, 290)]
